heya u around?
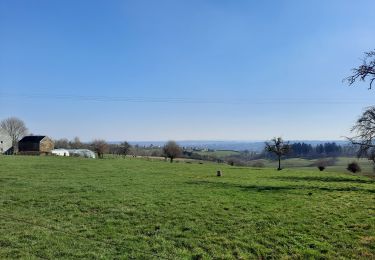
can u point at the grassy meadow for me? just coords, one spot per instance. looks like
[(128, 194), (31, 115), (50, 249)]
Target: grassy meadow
[(219, 153), (340, 164), (66, 208)]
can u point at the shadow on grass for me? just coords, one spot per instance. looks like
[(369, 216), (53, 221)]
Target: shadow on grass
[(322, 179), (262, 188)]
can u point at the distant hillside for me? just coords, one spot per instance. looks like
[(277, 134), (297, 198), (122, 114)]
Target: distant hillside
[(255, 146)]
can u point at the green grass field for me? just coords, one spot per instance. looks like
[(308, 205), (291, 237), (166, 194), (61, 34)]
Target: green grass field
[(132, 208)]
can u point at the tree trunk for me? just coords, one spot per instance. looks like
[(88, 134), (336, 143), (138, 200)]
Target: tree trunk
[(171, 159), (15, 146), (279, 168)]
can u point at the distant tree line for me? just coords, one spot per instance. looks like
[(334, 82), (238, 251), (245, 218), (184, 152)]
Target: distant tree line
[(329, 149), (70, 144)]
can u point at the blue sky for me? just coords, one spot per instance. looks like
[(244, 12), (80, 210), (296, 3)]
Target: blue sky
[(196, 69)]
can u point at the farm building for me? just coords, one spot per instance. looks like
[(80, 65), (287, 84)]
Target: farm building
[(35, 145), (60, 152), (5, 142)]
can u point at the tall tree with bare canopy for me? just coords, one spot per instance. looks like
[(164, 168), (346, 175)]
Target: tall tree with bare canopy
[(172, 150), (365, 71), (15, 128), (278, 147), (100, 147), (364, 130)]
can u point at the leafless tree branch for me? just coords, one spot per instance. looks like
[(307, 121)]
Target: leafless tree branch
[(364, 71), (364, 134)]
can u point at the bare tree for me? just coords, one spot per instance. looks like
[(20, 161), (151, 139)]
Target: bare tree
[(279, 148), (364, 138), (124, 148), (62, 143), (100, 147), (76, 143), (172, 150), (15, 128), (364, 71)]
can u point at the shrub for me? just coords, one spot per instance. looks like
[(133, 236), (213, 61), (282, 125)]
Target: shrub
[(157, 153), (322, 164), (353, 167), (257, 164), (236, 162)]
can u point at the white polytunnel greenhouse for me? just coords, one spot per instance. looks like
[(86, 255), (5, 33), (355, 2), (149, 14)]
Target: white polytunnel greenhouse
[(82, 153), (74, 152), (60, 152)]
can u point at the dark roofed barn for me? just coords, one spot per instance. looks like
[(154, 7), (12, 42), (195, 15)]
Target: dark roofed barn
[(35, 145)]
